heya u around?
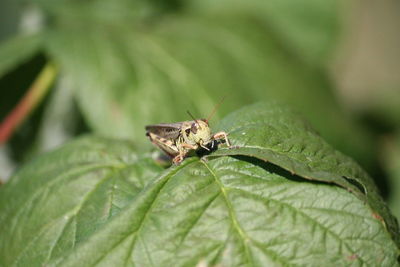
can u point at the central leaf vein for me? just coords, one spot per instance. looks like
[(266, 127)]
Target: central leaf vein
[(232, 214)]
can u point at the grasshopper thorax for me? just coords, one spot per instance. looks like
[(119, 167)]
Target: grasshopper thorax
[(197, 132)]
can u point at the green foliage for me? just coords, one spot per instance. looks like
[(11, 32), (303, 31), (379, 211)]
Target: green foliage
[(290, 143), (284, 194), (128, 62), (309, 28), (17, 50), (97, 201)]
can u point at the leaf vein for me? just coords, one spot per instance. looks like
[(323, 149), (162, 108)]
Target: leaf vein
[(235, 223), (308, 217)]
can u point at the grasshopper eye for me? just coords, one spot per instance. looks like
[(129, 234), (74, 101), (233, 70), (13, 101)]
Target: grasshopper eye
[(187, 131), (193, 128)]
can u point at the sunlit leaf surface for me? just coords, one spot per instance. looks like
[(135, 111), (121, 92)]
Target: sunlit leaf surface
[(99, 202)]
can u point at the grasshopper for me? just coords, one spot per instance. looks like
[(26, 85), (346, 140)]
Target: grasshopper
[(178, 139)]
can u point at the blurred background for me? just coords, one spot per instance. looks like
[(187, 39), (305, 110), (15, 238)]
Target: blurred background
[(71, 67)]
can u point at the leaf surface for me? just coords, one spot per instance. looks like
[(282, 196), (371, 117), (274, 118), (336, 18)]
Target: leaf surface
[(276, 134), (95, 202)]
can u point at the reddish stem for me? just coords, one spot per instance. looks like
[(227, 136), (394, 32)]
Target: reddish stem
[(27, 104)]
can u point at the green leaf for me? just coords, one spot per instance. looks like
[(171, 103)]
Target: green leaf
[(274, 133), (309, 28), (96, 202), (17, 50), (231, 212), (61, 199)]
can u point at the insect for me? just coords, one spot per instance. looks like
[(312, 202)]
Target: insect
[(178, 139)]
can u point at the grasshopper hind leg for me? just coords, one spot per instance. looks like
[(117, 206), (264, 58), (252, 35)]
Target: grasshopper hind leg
[(164, 144)]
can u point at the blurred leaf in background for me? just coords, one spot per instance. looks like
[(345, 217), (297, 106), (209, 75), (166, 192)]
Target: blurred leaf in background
[(10, 16), (391, 159)]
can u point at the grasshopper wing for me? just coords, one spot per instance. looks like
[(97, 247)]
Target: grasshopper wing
[(166, 145), (165, 130)]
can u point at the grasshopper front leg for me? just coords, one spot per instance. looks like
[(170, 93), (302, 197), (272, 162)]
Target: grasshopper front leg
[(183, 150), (188, 146), (179, 158), (222, 135)]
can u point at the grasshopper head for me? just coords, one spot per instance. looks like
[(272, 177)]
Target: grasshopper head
[(199, 132)]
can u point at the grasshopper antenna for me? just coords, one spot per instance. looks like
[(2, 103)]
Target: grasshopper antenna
[(216, 108), (190, 114)]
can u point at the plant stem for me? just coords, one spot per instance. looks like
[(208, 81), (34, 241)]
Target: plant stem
[(29, 102)]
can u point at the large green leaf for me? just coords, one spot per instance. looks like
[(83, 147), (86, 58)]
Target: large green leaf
[(276, 134), (96, 202), (64, 197)]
